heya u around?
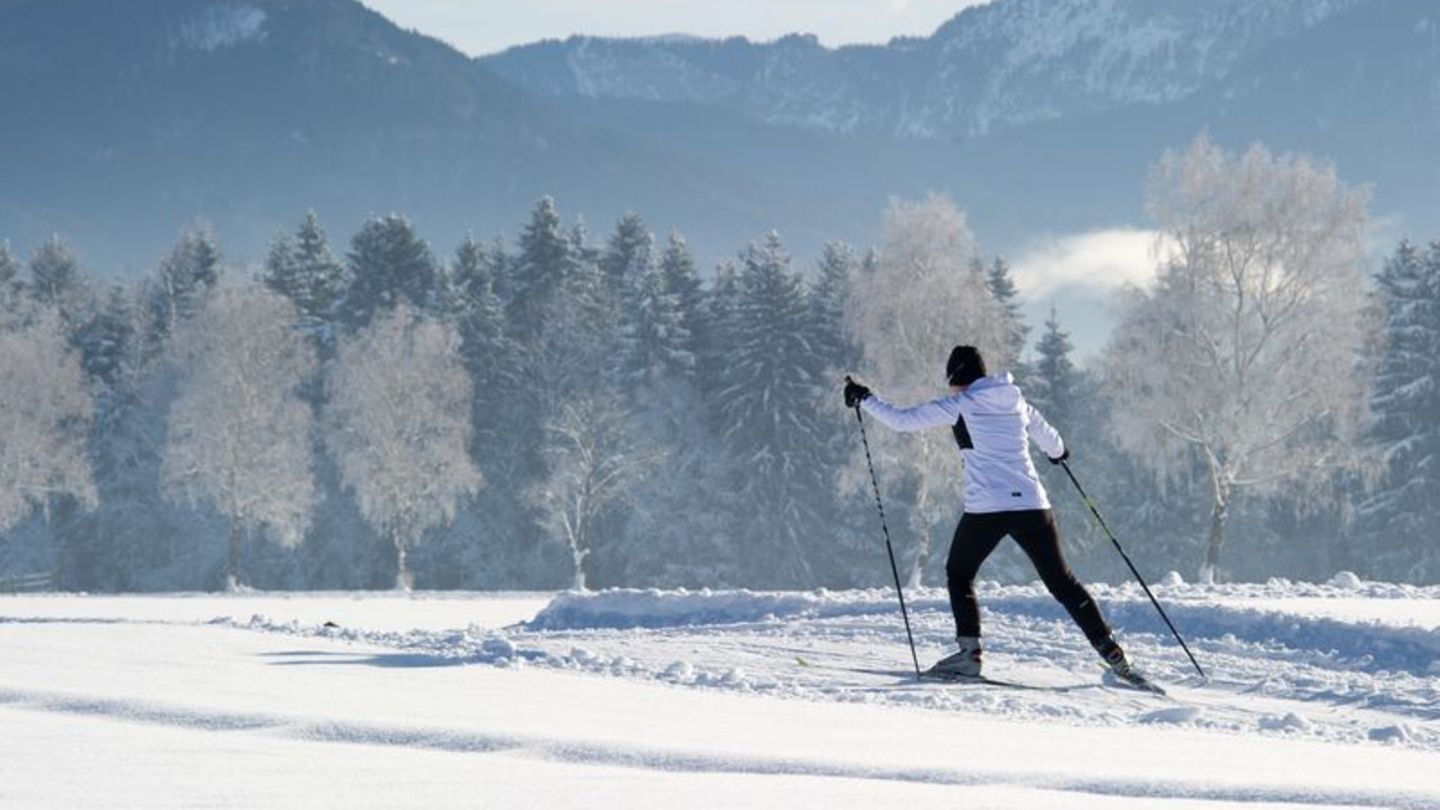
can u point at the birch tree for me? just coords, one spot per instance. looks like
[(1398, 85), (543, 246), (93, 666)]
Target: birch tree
[(239, 433), (46, 414), (596, 459), (399, 427), (1244, 353), (926, 293)]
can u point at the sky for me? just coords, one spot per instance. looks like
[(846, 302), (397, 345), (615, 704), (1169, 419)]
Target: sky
[(487, 26)]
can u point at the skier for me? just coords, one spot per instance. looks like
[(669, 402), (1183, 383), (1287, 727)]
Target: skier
[(1003, 496)]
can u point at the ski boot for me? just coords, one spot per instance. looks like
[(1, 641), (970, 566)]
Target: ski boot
[(1119, 664), (965, 663)]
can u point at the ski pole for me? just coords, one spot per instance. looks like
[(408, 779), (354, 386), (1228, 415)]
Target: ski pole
[(1126, 557), (890, 550)]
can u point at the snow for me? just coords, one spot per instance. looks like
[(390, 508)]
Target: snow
[(1320, 695), (220, 27)]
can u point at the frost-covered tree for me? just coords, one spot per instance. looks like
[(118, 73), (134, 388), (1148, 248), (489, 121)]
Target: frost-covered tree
[(656, 343), (47, 412), (545, 264), (55, 274), (1054, 381), (1002, 286), (1403, 515), (682, 280), (769, 421), (302, 268), (12, 286), (185, 277), (398, 426), (389, 264), (829, 296), (107, 338), (925, 294), (596, 459), (719, 317), (239, 432), (9, 265), (628, 257), (1243, 354)]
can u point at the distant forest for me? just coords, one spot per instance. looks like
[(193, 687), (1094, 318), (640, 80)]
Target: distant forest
[(560, 408)]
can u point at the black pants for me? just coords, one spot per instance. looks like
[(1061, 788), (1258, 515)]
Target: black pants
[(1034, 529)]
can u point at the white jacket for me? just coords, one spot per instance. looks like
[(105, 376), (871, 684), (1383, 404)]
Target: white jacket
[(999, 474)]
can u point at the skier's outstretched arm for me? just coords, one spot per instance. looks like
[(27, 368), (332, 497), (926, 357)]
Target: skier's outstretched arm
[(1043, 435), (936, 413)]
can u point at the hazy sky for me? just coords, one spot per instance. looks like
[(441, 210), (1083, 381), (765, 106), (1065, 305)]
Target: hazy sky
[(485, 26)]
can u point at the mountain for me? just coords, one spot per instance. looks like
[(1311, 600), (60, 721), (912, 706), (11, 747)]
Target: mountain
[(992, 67), (126, 120)]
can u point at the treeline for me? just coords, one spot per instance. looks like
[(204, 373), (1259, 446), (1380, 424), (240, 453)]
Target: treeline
[(561, 409)]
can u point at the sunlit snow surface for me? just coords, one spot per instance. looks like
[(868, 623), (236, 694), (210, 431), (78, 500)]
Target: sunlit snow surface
[(1320, 695)]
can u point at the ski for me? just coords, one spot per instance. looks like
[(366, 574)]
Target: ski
[(1133, 680), (928, 678)]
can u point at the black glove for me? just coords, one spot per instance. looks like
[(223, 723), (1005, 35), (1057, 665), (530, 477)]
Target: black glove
[(1061, 457), (855, 393)]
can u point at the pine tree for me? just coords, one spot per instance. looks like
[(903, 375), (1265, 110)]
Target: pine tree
[(302, 269), (769, 418), (720, 308), (11, 285), (486, 349), (106, 340), (682, 280), (56, 280), (1053, 383), (629, 254), (1002, 286), (545, 261), (827, 298), (388, 264), (656, 342), (185, 277), (54, 272), (1403, 517)]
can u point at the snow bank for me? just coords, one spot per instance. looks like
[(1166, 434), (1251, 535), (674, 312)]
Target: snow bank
[(626, 608)]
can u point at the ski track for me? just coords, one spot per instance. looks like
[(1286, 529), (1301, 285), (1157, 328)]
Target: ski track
[(610, 754), (1272, 673)]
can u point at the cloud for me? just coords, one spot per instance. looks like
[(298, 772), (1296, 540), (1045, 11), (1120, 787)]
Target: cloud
[(1095, 262)]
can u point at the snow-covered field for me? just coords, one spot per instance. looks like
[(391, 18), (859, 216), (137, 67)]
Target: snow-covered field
[(1320, 695)]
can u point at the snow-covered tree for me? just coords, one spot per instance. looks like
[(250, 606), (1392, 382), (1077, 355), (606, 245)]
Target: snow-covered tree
[(656, 344), (682, 280), (596, 459), (1243, 354), (55, 275), (1403, 515), (1054, 381), (389, 264), (302, 268), (398, 426), (924, 295), (239, 433), (185, 276), (47, 412), (829, 296), (544, 265), (769, 420), (628, 257), (107, 338), (1002, 287)]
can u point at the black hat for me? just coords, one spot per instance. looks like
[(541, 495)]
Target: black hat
[(965, 365)]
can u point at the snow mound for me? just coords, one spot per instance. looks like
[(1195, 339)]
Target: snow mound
[(627, 608), (1176, 714), (1346, 580)]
